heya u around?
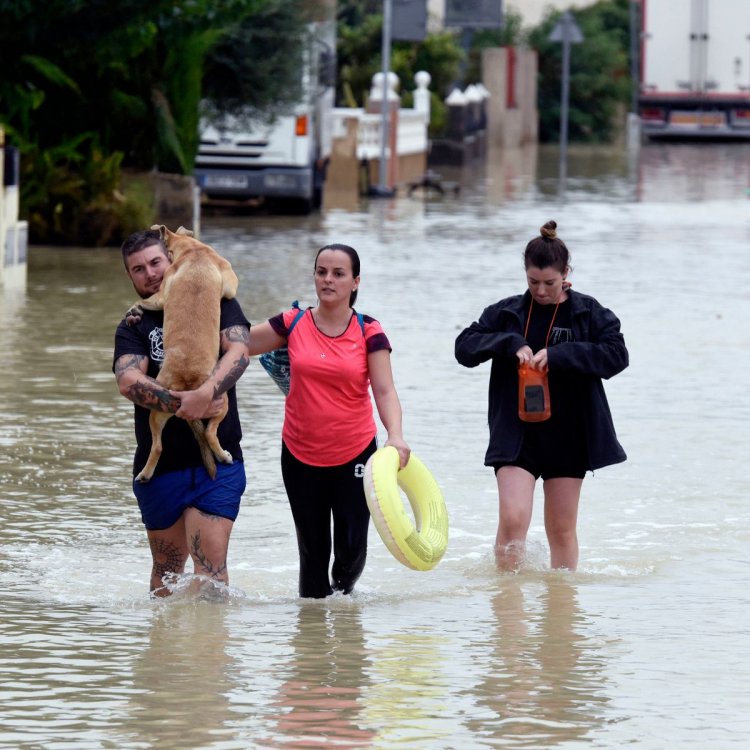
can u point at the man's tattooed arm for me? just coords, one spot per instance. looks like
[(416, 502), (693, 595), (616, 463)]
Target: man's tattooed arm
[(135, 385), (234, 361)]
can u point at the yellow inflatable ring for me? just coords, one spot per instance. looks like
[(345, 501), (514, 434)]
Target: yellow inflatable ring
[(419, 547)]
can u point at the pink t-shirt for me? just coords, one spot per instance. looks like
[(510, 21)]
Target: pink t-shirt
[(329, 419)]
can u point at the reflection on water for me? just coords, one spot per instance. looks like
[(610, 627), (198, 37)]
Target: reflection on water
[(459, 657), (65, 674), (410, 685), (545, 681), (184, 675), (320, 702)]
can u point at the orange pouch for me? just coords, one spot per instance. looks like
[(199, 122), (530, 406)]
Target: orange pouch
[(533, 395)]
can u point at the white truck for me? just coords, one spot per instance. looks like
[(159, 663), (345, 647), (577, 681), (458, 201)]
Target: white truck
[(695, 69), (282, 161)]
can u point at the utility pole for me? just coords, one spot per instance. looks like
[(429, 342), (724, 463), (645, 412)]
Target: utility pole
[(385, 113), (634, 77), (566, 31)]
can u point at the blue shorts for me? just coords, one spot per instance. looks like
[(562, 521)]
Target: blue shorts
[(165, 497)]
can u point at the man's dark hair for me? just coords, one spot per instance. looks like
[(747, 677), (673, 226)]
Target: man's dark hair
[(138, 240)]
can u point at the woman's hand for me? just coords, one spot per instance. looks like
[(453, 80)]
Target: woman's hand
[(524, 354), (539, 360), (536, 361), (403, 450)]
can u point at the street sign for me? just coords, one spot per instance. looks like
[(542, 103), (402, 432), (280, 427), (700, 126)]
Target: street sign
[(474, 14), (566, 29), (409, 20)]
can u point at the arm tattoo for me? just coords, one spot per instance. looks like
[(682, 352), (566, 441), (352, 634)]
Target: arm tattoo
[(231, 378), (145, 391), (230, 335), (153, 396), (236, 333), (128, 362)]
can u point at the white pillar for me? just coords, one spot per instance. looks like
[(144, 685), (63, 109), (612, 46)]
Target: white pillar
[(422, 94)]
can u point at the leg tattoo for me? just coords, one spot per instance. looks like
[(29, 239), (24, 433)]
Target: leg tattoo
[(199, 556), (167, 558)]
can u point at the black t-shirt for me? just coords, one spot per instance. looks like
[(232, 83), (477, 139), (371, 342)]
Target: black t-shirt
[(539, 325), (565, 394), (180, 446)]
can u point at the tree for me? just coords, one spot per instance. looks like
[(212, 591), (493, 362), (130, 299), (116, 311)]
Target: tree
[(135, 72), (511, 34), (254, 68), (360, 26), (599, 72), (95, 84)]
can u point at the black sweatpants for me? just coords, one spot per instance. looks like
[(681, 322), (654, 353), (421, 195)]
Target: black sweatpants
[(317, 494)]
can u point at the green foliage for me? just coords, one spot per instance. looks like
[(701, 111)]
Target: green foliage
[(353, 13), (360, 54), (439, 54), (76, 66), (171, 156), (254, 68), (512, 34), (129, 72), (599, 73), (71, 194)]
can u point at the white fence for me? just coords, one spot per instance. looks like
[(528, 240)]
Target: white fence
[(13, 233), (411, 123)]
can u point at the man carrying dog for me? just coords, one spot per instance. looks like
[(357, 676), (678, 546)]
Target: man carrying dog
[(185, 512)]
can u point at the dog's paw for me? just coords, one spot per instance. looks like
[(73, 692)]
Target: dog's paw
[(142, 478), (226, 458), (133, 315)]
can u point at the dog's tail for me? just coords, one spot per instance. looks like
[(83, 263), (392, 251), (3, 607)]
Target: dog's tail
[(206, 453)]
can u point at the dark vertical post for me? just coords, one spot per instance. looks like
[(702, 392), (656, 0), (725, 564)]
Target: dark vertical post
[(385, 113), (567, 32)]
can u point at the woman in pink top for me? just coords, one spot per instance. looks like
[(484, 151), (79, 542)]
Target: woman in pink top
[(329, 431)]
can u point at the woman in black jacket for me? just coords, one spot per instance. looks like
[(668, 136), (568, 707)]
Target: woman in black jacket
[(575, 341)]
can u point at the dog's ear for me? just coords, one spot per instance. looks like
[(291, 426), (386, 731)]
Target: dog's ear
[(185, 232), (163, 232)]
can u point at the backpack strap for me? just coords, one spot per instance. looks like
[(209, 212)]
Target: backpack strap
[(361, 321), (299, 314)]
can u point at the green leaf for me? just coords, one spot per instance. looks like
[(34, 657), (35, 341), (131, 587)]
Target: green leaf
[(53, 73)]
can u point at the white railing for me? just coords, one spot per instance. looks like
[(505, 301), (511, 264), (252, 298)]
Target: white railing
[(13, 233), (368, 136), (412, 132), (412, 124)]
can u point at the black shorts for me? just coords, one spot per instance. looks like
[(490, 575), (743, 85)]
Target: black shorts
[(549, 456)]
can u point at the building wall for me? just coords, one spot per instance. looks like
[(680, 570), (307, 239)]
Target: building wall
[(511, 123)]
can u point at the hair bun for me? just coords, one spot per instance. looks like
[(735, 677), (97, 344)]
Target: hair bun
[(549, 230)]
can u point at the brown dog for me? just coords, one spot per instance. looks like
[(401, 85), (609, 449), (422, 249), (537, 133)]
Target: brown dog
[(190, 295)]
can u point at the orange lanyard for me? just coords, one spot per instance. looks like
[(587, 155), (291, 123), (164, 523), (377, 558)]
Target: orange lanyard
[(549, 330)]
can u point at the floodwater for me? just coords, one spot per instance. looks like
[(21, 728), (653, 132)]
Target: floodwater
[(646, 645)]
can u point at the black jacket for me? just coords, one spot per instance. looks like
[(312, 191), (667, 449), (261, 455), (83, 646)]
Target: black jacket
[(597, 352)]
